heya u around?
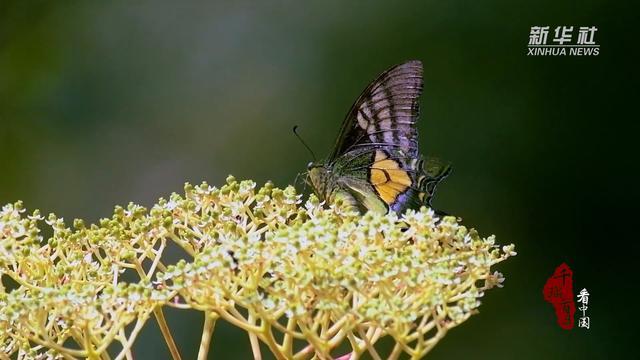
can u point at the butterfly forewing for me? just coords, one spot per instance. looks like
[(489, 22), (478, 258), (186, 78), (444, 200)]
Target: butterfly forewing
[(385, 113)]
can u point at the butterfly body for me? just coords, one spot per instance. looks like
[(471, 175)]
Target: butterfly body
[(331, 184), (375, 165)]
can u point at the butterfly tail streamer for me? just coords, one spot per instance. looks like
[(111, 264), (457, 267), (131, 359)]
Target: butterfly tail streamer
[(435, 171)]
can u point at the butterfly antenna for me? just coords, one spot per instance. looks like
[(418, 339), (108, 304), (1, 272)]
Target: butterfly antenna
[(295, 131)]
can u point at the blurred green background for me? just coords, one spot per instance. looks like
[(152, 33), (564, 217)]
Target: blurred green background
[(102, 103)]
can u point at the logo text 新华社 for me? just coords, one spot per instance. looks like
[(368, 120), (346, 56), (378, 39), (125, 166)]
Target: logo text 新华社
[(563, 41)]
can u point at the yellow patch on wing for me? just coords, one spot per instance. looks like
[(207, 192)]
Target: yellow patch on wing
[(389, 179), (421, 186)]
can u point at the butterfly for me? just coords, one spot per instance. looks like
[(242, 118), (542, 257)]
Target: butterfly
[(375, 164)]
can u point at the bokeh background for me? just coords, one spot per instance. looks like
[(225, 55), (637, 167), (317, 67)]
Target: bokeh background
[(102, 103)]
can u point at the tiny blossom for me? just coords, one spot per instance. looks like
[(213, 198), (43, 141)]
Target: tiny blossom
[(302, 270)]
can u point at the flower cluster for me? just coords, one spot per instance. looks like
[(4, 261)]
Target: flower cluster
[(302, 278)]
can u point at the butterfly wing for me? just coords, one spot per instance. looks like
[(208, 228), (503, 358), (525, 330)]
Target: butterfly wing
[(399, 181), (376, 154), (385, 114)]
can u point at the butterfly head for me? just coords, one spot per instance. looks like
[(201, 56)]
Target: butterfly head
[(318, 176)]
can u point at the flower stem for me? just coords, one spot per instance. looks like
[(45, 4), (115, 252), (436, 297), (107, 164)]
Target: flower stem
[(207, 333), (166, 333), (253, 339)]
